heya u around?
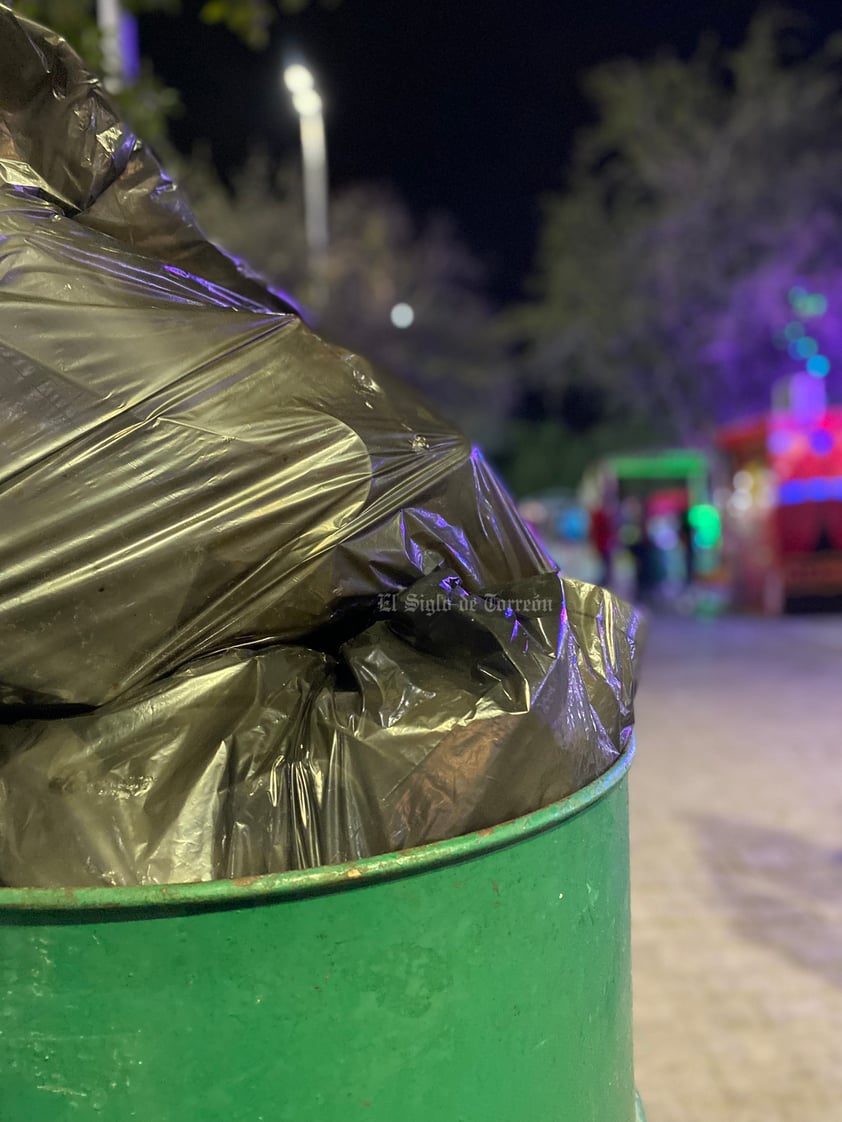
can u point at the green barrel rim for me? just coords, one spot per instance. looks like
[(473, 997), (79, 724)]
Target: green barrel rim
[(323, 878)]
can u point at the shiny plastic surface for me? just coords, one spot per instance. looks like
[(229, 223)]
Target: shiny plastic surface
[(261, 608)]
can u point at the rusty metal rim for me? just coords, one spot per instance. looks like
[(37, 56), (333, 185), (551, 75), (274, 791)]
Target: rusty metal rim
[(324, 878)]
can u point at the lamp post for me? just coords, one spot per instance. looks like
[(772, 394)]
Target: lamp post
[(118, 39), (308, 105)]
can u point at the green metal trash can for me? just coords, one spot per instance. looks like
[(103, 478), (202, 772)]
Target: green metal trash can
[(481, 979)]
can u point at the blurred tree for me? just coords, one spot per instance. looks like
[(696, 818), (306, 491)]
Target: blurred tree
[(552, 454), (455, 349), (704, 191), (107, 40), (257, 217), (76, 19)]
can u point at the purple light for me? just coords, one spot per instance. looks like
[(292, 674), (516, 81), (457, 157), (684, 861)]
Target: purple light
[(821, 441), (129, 47), (818, 490), (780, 442)]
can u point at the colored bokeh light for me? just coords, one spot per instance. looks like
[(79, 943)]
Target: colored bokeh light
[(818, 366), (816, 490), (402, 315), (805, 304), (821, 441), (779, 443), (706, 525), (794, 339)]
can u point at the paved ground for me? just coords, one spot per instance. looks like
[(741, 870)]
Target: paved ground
[(737, 871)]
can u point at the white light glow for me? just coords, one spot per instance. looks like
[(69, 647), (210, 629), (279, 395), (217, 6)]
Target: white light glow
[(402, 315), (298, 78), (740, 501), (307, 103)]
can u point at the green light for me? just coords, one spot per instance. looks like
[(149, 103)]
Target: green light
[(794, 330), (806, 347), (672, 464), (806, 305), (706, 524)]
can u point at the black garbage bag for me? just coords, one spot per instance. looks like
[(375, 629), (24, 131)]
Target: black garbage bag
[(260, 607)]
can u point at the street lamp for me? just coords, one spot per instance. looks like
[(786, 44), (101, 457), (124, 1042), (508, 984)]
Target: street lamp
[(118, 41), (308, 105)]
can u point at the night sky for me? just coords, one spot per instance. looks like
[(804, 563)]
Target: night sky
[(467, 106)]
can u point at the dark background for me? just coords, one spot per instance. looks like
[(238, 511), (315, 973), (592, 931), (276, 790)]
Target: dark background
[(466, 106)]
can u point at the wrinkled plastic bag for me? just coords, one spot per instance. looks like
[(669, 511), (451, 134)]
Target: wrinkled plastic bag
[(261, 608)]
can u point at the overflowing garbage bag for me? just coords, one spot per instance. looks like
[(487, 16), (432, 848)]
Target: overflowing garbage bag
[(261, 608)]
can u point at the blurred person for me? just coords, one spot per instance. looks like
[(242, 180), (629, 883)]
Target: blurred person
[(644, 554), (602, 536), (688, 546)]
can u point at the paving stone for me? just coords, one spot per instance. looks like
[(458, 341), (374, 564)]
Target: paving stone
[(736, 830)]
